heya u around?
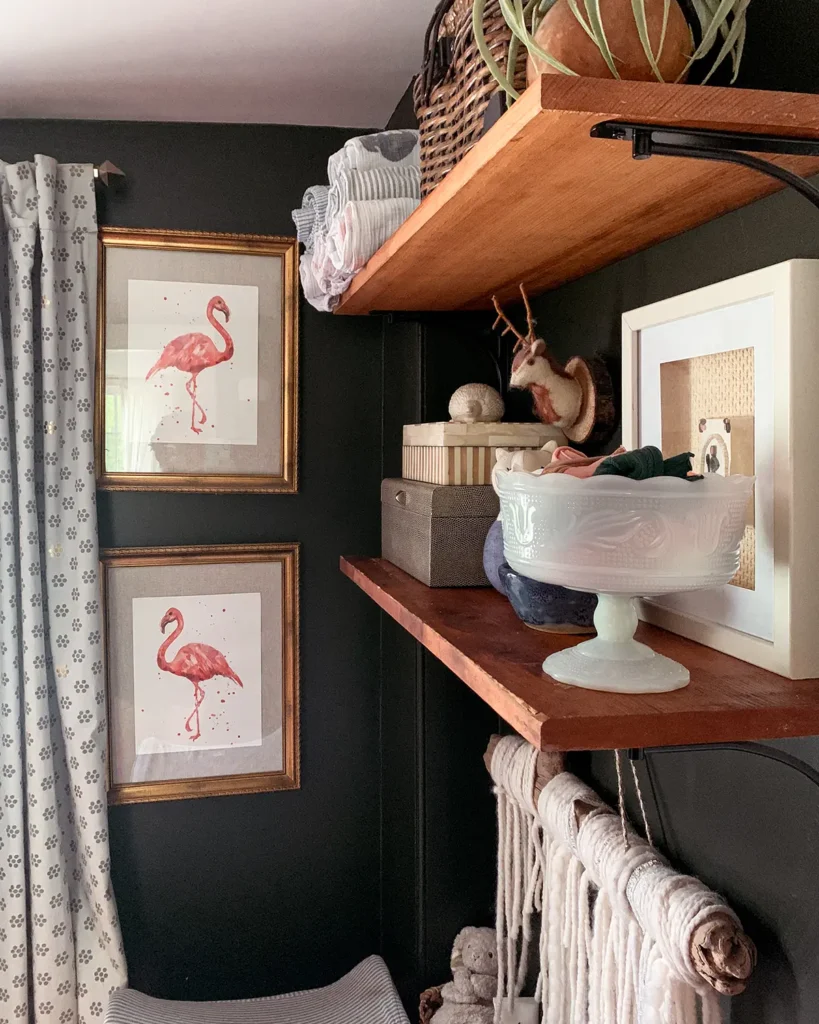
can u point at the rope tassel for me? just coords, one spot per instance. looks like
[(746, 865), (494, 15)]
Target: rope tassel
[(624, 938)]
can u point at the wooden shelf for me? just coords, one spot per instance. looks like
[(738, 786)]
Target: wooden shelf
[(537, 200), (476, 634)]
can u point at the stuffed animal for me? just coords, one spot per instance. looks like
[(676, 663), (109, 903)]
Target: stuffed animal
[(578, 397), (468, 998)]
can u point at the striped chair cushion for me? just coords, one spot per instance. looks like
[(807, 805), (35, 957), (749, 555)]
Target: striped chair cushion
[(364, 996)]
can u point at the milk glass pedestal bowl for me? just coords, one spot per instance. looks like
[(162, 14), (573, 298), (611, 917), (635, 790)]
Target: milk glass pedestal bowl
[(622, 539)]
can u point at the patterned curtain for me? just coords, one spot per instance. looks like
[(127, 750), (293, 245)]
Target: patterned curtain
[(60, 948)]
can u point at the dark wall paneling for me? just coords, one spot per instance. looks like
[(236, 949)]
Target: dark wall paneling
[(438, 812), (459, 816), (245, 896)]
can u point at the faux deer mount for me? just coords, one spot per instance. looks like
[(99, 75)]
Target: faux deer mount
[(578, 397)]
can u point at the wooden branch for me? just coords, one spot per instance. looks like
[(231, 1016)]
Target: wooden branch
[(722, 954)]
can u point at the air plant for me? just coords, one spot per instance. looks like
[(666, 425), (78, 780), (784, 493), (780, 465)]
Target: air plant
[(717, 20)]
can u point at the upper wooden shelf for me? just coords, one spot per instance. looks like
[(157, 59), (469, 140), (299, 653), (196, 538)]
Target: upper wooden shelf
[(476, 634), (537, 200)]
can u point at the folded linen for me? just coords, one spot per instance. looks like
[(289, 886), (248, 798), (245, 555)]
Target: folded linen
[(375, 184), (363, 228), (317, 298), (312, 213), (363, 153), (350, 186), (331, 279)]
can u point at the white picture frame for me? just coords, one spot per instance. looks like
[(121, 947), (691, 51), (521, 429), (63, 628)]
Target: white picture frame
[(774, 311)]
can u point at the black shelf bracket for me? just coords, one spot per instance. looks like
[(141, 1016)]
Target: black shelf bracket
[(649, 140), (756, 749)]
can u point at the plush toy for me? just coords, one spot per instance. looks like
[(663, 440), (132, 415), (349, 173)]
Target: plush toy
[(468, 998)]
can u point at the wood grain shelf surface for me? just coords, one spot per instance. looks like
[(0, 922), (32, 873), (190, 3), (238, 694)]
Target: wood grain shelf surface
[(537, 200), (475, 633)]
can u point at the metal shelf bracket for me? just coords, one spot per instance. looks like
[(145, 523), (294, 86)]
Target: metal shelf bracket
[(756, 749), (649, 140)]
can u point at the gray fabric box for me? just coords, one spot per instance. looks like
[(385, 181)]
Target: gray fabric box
[(436, 532)]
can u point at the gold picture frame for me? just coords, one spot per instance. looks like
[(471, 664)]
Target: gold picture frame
[(122, 720), (227, 480)]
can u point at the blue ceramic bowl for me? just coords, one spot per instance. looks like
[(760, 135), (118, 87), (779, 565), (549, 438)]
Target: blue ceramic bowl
[(493, 556), (546, 606)]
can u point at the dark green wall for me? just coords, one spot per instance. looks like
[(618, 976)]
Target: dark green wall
[(389, 844), (250, 895)]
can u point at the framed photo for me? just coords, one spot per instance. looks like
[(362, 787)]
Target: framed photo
[(730, 373), (202, 666), (197, 362)]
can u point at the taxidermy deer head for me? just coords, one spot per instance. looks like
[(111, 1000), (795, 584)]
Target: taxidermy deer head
[(556, 394)]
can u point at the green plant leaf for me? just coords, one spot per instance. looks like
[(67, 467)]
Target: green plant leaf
[(596, 23), (731, 40), (531, 10), (703, 14), (714, 18), (478, 8), (719, 12), (739, 49), (518, 25), (666, 12), (639, 8), (577, 13), (512, 58)]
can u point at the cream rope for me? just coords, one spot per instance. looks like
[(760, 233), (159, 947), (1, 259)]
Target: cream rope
[(513, 770), (617, 922)]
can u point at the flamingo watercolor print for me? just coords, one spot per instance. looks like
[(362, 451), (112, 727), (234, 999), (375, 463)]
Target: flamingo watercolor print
[(197, 362), (197, 672), (202, 670), (194, 350)]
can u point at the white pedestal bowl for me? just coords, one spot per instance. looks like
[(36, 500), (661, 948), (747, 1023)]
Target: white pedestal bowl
[(622, 539)]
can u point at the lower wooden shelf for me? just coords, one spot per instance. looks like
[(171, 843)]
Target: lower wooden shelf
[(476, 634)]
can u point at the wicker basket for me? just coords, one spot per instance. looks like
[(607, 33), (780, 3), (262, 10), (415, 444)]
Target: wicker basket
[(453, 92)]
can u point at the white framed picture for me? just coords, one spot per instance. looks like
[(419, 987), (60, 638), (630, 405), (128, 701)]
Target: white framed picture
[(730, 372)]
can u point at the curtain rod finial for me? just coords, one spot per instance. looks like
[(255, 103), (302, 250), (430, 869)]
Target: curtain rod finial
[(105, 170)]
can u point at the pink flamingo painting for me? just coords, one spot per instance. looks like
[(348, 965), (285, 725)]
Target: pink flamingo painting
[(196, 662), (192, 353)]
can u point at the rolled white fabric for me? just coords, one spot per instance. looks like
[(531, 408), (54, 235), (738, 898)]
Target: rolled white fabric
[(363, 228), (317, 298), (312, 212), (329, 278), (349, 186), (375, 184), (364, 152)]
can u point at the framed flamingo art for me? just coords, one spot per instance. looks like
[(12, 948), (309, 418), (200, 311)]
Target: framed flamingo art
[(202, 668), (197, 362)]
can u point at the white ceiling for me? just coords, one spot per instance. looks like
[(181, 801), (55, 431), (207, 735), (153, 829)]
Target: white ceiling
[(319, 62)]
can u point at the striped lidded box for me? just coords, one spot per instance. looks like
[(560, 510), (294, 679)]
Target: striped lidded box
[(464, 453), (462, 465)]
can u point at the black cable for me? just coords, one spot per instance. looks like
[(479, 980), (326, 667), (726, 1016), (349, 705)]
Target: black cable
[(804, 188)]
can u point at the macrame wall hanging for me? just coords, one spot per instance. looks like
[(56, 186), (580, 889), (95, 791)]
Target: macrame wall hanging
[(622, 937)]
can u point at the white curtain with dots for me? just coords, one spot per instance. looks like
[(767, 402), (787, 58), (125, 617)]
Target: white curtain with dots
[(60, 948)]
